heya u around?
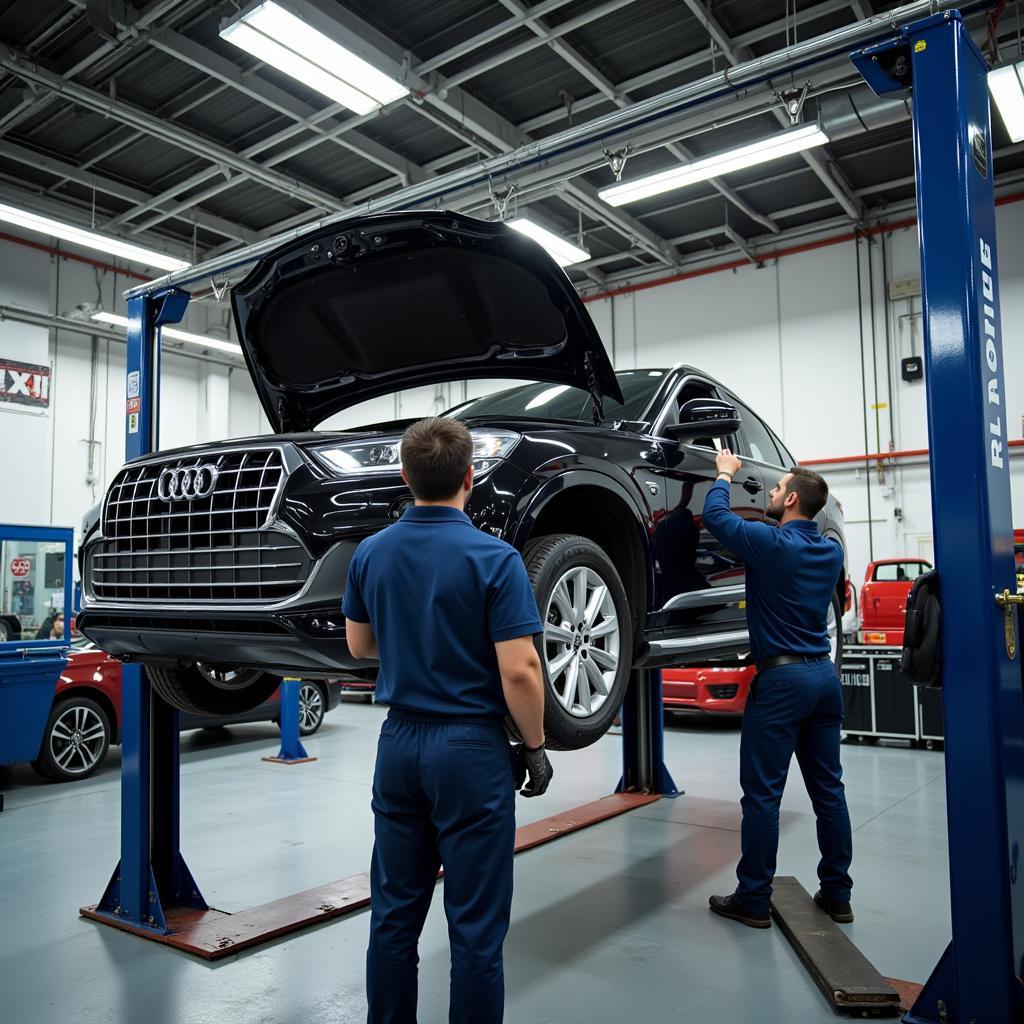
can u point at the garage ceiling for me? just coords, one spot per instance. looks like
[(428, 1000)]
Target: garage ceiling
[(143, 122)]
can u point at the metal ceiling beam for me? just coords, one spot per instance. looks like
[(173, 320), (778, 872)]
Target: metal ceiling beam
[(830, 174), (128, 193), (203, 59), (175, 134), (621, 98), (138, 22)]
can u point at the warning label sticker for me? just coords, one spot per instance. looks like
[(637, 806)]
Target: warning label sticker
[(133, 423), (133, 405), (133, 384)]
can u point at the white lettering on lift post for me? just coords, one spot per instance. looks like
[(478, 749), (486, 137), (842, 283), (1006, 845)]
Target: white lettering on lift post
[(995, 421)]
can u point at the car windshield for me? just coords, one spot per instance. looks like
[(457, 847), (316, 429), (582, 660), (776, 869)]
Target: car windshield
[(563, 402)]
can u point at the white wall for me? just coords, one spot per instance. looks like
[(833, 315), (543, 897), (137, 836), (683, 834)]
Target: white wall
[(786, 337)]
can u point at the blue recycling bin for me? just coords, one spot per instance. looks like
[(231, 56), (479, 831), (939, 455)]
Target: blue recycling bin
[(35, 578)]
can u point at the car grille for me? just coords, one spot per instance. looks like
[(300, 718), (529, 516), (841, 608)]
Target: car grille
[(212, 548)]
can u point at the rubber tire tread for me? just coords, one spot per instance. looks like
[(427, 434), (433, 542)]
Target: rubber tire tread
[(837, 608), (187, 690), (557, 735), (44, 763)]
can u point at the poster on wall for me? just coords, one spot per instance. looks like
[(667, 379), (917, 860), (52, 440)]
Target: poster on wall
[(26, 384)]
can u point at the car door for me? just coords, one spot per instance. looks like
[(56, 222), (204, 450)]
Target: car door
[(701, 583)]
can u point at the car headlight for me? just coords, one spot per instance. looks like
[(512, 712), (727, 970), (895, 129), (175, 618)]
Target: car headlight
[(383, 455)]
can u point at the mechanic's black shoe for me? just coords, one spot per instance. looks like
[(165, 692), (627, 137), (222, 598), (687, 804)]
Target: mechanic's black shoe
[(839, 910), (726, 906)]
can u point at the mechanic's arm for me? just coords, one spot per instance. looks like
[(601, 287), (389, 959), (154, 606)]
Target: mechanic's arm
[(523, 687), (361, 641), (749, 540), (359, 635)]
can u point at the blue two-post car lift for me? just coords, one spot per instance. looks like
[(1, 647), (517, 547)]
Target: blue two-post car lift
[(977, 981)]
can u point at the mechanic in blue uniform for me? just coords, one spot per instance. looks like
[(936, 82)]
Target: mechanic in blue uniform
[(450, 613), (795, 702)]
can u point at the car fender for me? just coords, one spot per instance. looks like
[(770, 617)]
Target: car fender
[(586, 477)]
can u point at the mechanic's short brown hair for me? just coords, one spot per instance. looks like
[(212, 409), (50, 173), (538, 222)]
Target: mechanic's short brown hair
[(810, 489), (436, 452)]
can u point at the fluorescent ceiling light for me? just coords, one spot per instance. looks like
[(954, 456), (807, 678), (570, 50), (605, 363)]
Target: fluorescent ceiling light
[(173, 332), (278, 37), (1007, 87), (775, 146), (91, 240), (564, 253)]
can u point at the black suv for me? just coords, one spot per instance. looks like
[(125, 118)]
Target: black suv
[(233, 556)]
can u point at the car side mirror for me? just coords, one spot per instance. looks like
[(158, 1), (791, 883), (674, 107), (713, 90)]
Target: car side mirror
[(704, 417)]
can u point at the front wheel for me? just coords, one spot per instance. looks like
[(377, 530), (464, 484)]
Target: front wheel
[(212, 690), (586, 649)]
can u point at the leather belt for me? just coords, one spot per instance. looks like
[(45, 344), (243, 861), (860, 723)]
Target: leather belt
[(787, 659)]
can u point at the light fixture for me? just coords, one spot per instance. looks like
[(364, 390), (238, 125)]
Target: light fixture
[(173, 332), (1007, 87), (771, 148), (563, 252), (289, 42), (91, 240)]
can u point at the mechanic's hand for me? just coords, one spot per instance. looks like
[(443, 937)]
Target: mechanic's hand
[(539, 769), (518, 765), (726, 462)]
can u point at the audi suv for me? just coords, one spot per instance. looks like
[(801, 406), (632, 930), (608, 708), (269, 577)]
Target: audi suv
[(234, 555)]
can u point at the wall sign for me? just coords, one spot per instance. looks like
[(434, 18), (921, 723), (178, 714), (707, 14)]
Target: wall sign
[(24, 384), (21, 566)]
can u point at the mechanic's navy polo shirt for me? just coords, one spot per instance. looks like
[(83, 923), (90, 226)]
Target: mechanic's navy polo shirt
[(439, 593), (792, 572)]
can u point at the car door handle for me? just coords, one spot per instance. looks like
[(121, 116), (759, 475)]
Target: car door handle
[(752, 486)]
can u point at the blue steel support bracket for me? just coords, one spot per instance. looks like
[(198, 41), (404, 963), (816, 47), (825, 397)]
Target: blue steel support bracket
[(643, 737), (151, 877), (977, 979)]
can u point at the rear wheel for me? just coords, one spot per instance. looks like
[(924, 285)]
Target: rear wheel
[(587, 646), (212, 690), (75, 742)]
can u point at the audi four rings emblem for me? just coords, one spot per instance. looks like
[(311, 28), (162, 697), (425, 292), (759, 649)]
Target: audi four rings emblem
[(187, 482)]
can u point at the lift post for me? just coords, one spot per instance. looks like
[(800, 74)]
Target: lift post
[(151, 877), (977, 980)]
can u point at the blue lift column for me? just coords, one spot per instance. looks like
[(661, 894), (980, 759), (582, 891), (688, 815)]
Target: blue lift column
[(977, 980), (151, 878)]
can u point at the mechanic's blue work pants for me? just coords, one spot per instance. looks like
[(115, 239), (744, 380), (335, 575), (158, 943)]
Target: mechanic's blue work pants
[(792, 708), (443, 793)]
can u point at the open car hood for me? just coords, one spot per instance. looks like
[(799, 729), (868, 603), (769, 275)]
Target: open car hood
[(391, 301)]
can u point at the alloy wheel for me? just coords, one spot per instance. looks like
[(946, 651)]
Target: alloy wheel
[(581, 641), (77, 739), (228, 678), (311, 707)]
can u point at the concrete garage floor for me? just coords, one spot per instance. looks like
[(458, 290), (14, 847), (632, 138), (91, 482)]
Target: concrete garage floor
[(610, 924)]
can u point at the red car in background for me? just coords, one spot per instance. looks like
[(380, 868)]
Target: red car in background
[(86, 714), (714, 691), (883, 599)]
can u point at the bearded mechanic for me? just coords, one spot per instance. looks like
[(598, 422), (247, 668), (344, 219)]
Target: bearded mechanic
[(796, 701)]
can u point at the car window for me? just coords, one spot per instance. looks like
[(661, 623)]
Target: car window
[(787, 455), (562, 402), (756, 439), (899, 571)]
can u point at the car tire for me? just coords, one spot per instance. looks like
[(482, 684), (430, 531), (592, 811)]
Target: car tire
[(567, 572), (5, 632), (205, 690), (835, 632), (312, 708), (75, 742)]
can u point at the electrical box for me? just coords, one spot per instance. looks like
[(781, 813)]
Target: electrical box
[(912, 368), (904, 288)]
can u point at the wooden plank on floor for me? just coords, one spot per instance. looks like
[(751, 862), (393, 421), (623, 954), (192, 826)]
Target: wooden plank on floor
[(214, 934), (846, 977)]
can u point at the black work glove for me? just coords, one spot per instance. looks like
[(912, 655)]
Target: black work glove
[(518, 765), (539, 769)]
